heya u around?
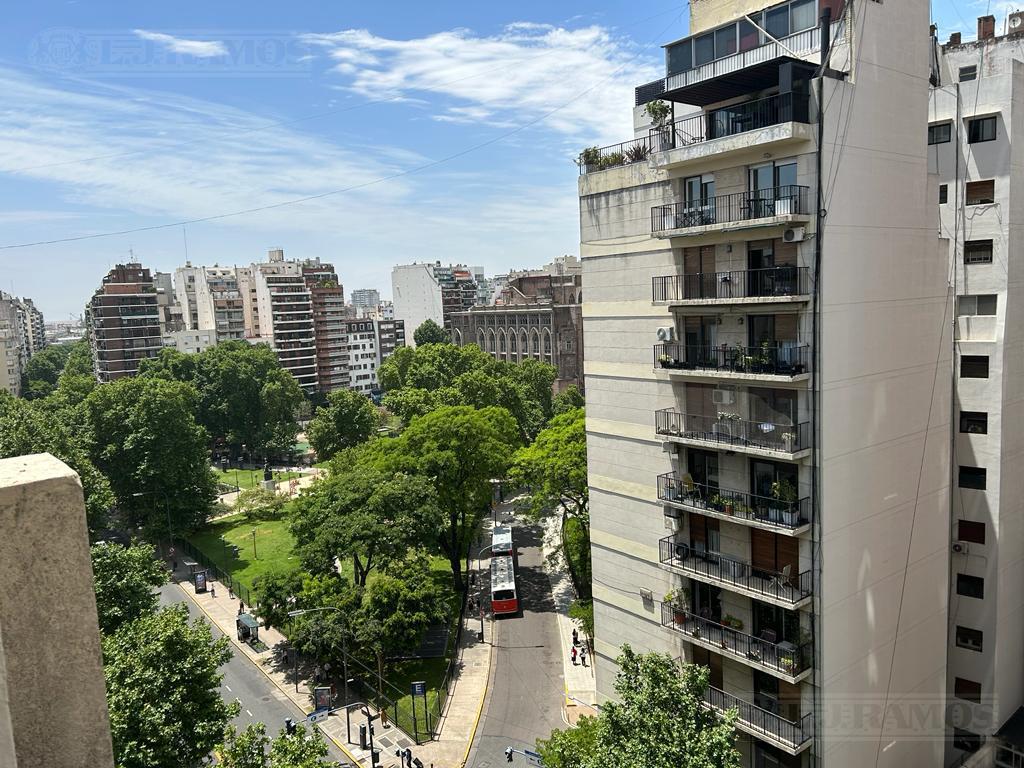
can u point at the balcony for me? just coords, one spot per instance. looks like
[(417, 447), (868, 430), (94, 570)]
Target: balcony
[(774, 285), (757, 438), (775, 206), (784, 360), (790, 737), (784, 660), (781, 515), (691, 134), (782, 588)]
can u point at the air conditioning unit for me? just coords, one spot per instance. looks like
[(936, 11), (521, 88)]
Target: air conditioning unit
[(794, 234), (723, 397), (667, 333), (960, 548), (1016, 22)]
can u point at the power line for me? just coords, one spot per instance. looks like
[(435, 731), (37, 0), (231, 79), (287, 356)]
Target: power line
[(362, 185)]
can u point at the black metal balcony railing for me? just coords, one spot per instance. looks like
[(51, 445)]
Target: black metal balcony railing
[(780, 359), (787, 658), (788, 587), (724, 209), (787, 438), (780, 512), (737, 284), (714, 124), (761, 720)]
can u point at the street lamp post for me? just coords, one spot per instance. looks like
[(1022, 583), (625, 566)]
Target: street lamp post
[(344, 644)]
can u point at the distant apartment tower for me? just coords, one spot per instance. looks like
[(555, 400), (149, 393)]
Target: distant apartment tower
[(10, 346), (329, 316), (123, 321), (424, 292), (365, 298), (537, 315), (390, 336), (31, 328), (767, 363), (974, 113)]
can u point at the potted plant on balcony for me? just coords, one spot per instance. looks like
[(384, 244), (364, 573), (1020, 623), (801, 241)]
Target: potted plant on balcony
[(660, 114), (665, 361), (788, 440), (612, 159), (637, 153), (785, 494), (732, 621), (678, 599), (590, 159)]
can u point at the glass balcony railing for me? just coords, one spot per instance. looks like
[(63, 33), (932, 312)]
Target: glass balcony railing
[(772, 282), (780, 359), (725, 209)]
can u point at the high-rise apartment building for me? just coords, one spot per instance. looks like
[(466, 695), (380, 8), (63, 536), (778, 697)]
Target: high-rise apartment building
[(767, 366), (365, 298), (11, 365), (973, 115), (31, 327), (329, 315), (390, 336), (123, 320), (424, 292)]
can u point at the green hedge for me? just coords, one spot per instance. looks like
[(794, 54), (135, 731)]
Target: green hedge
[(576, 544)]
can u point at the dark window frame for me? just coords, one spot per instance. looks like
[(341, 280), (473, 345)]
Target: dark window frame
[(974, 639), (943, 194), (970, 586), (966, 741), (971, 366), (935, 134), (973, 422), (982, 129), (987, 199), (978, 251), (971, 531), (968, 73), (967, 690), (972, 478)]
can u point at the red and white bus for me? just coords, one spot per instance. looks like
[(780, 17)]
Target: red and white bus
[(501, 541), (504, 598)]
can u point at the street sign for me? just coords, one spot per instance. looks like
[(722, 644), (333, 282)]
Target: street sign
[(419, 688), (317, 716)]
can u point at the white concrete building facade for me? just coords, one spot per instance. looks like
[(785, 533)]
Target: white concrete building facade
[(766, 317)]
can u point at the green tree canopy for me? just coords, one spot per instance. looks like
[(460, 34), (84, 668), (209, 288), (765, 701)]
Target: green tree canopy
[(276, 589), (429, 332), (660, 721), (460, 449), (163, 690), (26, 429), (554, 467), (44, 368), (569, 399), (261, 504), (149, 445), (245, 396), (366, 514), (249, 749), (125, 579), (348, 419)]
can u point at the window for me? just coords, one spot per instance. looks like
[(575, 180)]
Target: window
[(943, 194), (703, 49), (970, 586), (968, 73), (966, 741), (776, 21), (968, 690), (981, 192), (803, 15), (972, 477), (974, 366), (725, 41), (984, 305), (974, 422), (978, 252), (981, 129), (970, 531), (940, 134), (971, 639)]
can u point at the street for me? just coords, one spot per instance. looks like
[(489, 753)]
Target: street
[(525, 695), (259, 699)]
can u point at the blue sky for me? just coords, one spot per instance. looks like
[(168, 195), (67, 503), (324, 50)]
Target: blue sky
[(117, 116)]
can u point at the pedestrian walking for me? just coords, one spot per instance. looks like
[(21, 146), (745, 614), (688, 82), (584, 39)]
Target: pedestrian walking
[(575, 637), (213, 590), (583, 656), (573, 655)]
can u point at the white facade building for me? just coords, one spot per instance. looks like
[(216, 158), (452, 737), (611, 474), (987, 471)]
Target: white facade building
[(416, 294), (767, 375), (10, 346)]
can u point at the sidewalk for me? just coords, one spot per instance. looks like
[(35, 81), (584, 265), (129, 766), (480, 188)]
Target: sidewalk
[(580, 684), (458, 720)]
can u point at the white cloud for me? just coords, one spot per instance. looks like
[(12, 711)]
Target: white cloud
[(577, 82), (201, 49)]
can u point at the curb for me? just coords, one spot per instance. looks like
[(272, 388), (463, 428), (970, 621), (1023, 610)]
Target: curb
[(480, 708), (352, 758)]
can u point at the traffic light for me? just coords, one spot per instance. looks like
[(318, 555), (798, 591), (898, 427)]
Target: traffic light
[(289, 726), (508, 754)]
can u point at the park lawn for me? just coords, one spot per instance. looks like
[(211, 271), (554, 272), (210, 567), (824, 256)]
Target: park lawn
[(403, 673), (274, 547), (248, 478)]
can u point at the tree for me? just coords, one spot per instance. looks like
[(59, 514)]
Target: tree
[(261, 504), (554, 467), (125, 579), (430, 332), (660, 721), (44, 368), (277, 589), (155, 455), (349, 419), (398, 607), (568, 399), (245, 396), (366, 514), (460, 449), (163, 690), (324, 635), (248, 749), (26, 429), (583, 612)]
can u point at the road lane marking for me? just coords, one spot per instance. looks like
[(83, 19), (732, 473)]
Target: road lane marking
[(248, 713), (228, 687)]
